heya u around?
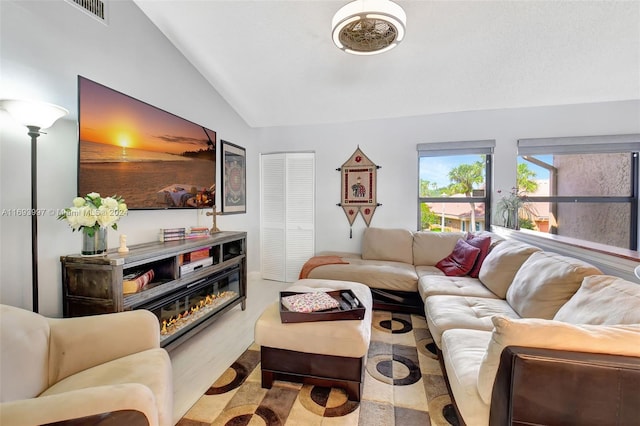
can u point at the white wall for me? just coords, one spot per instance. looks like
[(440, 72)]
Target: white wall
[(391, 144), (45, 45)]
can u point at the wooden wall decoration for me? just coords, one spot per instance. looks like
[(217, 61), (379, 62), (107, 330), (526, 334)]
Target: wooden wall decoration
[(358, 187)]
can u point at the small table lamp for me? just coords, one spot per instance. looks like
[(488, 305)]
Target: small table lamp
[(35, 116)]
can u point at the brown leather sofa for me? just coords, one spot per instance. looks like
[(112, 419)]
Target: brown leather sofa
[(550, 387)]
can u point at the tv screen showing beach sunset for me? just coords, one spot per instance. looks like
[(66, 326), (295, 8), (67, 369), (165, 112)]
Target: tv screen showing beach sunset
[(151, 158)]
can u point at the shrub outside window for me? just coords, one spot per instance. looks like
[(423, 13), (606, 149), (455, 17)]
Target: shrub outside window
[(454, 186)]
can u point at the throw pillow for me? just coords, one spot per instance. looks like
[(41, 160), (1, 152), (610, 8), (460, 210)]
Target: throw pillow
[(502, 263), (394, 245), (483, 243), (545, 282), (460, 261), (603, 299), (549, 334)]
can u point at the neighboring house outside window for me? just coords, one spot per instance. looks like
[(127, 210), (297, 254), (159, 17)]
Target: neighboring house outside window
[(586, 188), (454, 185)]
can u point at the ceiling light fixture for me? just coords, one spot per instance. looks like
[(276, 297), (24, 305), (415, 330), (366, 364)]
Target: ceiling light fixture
[(368, 27)]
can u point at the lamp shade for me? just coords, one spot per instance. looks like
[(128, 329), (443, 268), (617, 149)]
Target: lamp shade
[(32, 113), (368, 27)]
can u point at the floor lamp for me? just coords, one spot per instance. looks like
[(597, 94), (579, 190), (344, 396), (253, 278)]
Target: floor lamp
[(35, 116)]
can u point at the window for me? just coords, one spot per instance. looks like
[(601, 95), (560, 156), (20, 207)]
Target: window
[(581, 187), (454, 185)]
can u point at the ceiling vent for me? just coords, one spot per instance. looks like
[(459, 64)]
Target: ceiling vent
[(94, 8)]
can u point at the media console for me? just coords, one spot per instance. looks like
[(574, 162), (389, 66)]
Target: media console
[(194, 282)]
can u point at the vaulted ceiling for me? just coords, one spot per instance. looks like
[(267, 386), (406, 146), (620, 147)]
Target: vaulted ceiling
[(276, 65)]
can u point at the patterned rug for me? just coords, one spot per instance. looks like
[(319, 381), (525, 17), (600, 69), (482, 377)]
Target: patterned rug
[(403, 386)]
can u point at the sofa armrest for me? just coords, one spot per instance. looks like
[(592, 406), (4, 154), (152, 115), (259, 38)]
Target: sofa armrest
[(547, 386), (105, 404), (77, 344)]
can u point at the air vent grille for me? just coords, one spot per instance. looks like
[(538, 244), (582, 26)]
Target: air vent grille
[(95, 8)]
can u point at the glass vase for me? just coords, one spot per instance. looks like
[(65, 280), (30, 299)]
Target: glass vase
[(94, 245), (512, 221)]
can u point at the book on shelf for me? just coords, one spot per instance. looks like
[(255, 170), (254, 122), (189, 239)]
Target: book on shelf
[(196, 255), (193, 236), (167, 232), (164, 238), (134, 282), (309, 302), (173, 230), (199, 230)]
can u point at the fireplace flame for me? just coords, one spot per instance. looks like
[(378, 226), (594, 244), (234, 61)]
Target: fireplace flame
[(205, 305)]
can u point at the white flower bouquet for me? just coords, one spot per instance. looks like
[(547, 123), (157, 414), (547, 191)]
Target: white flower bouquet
[(92, 212)]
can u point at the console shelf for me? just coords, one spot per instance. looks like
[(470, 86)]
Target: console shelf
[(205, 274)]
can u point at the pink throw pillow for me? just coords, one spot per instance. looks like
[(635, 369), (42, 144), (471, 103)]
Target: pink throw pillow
[(460, 261), (483, 243)]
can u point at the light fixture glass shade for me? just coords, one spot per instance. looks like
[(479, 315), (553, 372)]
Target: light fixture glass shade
[(32, 113), (368, 27)]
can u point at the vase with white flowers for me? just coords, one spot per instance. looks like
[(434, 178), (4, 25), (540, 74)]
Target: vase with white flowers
[(93, 215)]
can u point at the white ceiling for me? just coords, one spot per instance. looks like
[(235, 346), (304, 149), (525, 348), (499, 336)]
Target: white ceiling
[(276, 65)]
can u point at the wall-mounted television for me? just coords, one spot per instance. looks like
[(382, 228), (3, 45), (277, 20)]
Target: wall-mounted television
[(150, 157)]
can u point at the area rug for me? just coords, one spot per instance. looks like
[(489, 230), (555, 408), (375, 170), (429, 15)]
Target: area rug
[(403, 386)]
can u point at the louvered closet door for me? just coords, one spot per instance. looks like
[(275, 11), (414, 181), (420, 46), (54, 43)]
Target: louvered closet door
[(287, 200), (300, 207)]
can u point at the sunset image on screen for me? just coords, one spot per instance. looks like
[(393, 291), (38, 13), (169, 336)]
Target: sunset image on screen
[(151, 158)]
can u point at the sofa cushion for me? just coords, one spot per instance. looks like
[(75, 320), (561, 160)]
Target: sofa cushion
[(428, 270), (473, 313), (151, 368), (603, 299), (502, 263), (430, 247), (483, 243), (462, 353), (460, 260), (431, 285), (545, 282), (394, 245), (374, 273), (24, 353), (540, 333)]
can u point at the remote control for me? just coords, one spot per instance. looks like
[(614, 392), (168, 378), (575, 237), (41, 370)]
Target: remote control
[(349, 299), (344, 305)]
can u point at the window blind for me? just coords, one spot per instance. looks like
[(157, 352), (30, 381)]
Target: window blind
[(456, 148), (580, 145)]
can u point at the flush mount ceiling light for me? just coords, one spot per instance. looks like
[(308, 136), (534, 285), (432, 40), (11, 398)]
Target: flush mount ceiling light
[(367, 27)]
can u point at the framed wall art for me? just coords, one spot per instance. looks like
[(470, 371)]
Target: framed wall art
[(234, 178)]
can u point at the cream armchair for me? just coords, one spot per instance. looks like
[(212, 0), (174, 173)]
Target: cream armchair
[(107, 368)]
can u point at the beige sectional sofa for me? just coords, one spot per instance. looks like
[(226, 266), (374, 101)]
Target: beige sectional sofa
[(558, 317), (391, 259)]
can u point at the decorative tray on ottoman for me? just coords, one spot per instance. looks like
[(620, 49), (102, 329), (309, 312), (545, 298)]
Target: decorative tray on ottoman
[(344, 310)]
